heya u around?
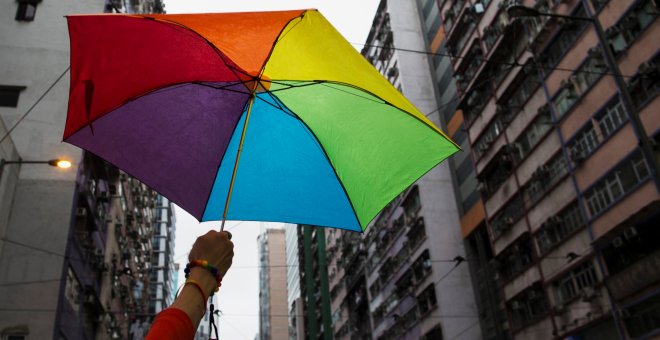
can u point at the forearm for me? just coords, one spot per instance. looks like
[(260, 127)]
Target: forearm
[(190, 299)]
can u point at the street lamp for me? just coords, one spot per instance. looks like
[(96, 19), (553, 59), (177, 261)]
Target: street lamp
[(517, 11), (58, 163)]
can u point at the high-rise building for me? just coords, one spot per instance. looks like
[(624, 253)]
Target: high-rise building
[(294, 299), (314, 287), (272, 285), (417, 281), (346, 259), (468, 199), (565, 154), (74, 244), (162, 285)]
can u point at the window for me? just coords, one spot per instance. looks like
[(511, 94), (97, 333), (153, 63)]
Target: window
[(516, 258), (645, 85), (526, 88), (9, 95), (644, 318), (73, 290), (427, 300), (487, 138), (534, 132), (621, 35), (620, 180), (544, 177), (590, 71), (527, 306), (507, 216), (565, 98), (27, 9), (575, 282), (412, 204), (557, 228), (565, 39), (421, 267), (611, 118)]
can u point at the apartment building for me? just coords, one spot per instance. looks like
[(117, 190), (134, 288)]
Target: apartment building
[(74, 243), (566, 159), (314, 283), (294, 298), (272, 285), (408, 270), (162, 286)]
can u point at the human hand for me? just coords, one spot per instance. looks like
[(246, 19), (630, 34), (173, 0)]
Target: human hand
[(216, 248)]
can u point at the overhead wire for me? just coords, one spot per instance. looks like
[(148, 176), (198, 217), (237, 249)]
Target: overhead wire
[(511, 64), (34, 104), (50, 252)]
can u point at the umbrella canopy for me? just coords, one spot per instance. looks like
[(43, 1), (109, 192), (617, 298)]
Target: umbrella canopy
[(268, 116)]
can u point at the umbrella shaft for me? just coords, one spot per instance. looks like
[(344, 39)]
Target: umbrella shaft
[(238, 157)]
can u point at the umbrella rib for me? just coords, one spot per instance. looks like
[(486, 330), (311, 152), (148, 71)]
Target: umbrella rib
[(327, 157), (224, 87), (256, 80), (382, 101), (215, 48)]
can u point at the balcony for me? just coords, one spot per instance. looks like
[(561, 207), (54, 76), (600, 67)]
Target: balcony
[(635, 277)]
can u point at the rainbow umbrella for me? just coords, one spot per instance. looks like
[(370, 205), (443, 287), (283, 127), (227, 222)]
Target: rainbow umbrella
[(266, 116)]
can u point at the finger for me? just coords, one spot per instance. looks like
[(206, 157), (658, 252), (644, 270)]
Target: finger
[(228, 234)]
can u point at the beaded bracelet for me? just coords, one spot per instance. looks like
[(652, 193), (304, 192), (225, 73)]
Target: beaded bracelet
[(206, 265)]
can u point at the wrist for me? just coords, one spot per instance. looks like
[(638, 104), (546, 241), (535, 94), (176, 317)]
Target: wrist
[(205, 279)]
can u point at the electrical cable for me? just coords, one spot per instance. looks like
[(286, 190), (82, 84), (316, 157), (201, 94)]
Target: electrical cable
[(511, 64), (34, 105)]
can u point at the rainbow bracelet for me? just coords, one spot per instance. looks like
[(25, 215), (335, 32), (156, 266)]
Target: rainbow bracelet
[(206, 265)]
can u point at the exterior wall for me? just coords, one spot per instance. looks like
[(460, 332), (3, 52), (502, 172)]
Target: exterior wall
[(454, 292), (34, 54)]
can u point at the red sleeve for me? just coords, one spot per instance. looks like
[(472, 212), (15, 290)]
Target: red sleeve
[(172, 323)]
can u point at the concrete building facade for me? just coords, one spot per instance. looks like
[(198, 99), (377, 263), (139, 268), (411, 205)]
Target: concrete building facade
[(63, 234), (272, 285), (569, 190), (416, 280)]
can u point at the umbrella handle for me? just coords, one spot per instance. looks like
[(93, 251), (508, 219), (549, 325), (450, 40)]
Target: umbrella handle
[(238, 157)]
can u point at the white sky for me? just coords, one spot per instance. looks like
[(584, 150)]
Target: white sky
[(239, 296)]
